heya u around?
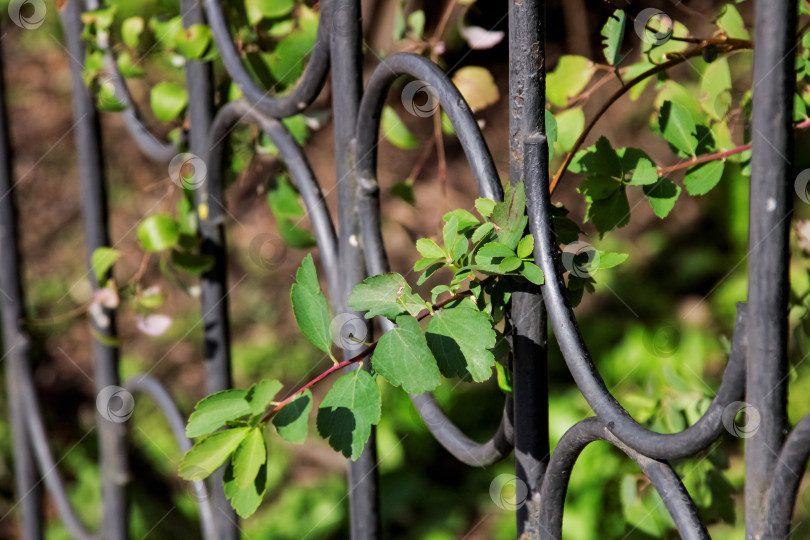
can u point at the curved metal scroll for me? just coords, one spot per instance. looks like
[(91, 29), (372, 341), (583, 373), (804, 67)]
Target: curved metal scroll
[(308, 86), (151, 386), (446, 433), (663, 478), (143, 137), (593, 388), (296, 162), (758, 373)]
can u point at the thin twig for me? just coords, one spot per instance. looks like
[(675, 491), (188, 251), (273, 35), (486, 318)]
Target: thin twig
[(804, 124), (703, 159)]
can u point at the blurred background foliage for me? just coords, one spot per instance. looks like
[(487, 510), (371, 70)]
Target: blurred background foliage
[(659, 325)]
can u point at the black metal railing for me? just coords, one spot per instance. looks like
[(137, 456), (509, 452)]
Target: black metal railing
[(757, 368)]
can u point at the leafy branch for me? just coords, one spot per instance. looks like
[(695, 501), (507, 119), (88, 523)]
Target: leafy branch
[(367, 351), (487, 257), (722, 44)]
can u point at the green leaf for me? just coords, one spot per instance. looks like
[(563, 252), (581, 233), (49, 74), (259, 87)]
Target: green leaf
[(663, 45), (248, 458), (634, 70), (101, 18), (270, 9), (310, 308), (168, 100), (261, 394), (212, 412), (482, 231), (416, 21), (158, 232), (460, 248), (128, 68), (702, 178), (600, 159), (465, 219), (285, 62), (447, 125), (404, 191), (525, 246), (484, 206), (460, 339), (439, 289), (477, 87), (449, 232), (598, 187), (715, 86), (284, 200), (610, 213), (645, 173), (504, 378), (429, 249), (395, 131), (570, 124), (551, 132), (731, 22), (565, 230), (613, 33), (192, 263), (496, 249), (131, 30), (102, 260), (533, 273), (402, 356), (421, 264), (295, 236), (610, 260), (193, 42), (662, 196), (641, 165), (245, 501), (568, 79), (387, 295), (509, 264), (677, 93), (292, 420), (207, 455), (799, 108), (678, 127), (509, 216), (348, 411)]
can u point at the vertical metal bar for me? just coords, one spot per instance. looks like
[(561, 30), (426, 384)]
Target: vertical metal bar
[(15, 339), (199, 83), (530, 383), (112, 435), (771, 206), (347, 85)]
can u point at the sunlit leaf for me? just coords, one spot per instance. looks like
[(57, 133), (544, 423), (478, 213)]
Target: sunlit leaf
[(460, 339), (210, 453), (402, 356), (348, 411), (477, 86)]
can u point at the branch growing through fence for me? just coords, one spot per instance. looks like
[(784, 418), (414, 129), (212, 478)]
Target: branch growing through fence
[(367, 351), (723, 44), (804, 124)]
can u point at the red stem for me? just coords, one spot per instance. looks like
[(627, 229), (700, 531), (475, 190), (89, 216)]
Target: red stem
[(703, 159), (804, 124), (365, 352), (272, 412)]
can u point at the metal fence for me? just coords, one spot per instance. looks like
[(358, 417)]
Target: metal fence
[(757, 368)]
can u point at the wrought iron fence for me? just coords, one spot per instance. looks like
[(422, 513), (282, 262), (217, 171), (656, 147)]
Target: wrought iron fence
[(757, 368)]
